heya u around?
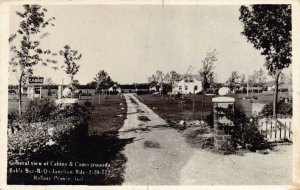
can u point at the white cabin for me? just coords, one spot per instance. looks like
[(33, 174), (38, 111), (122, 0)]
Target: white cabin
[(188, 84)]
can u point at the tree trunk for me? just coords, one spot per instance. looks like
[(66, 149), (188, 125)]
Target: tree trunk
[(276, 95), (202, 105), (71, 85), (20, 98)]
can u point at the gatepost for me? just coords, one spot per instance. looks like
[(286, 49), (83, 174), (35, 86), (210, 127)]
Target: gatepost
[(220, 137)]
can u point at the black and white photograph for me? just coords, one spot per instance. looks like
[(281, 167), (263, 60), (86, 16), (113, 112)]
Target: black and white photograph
[(149, 94)]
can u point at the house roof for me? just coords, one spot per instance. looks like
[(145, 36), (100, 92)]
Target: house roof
[(269, 83)]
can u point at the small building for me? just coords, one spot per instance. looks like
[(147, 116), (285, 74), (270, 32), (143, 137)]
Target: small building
[(86, 90), (139, 88), (128, 88), (282, 87), (188, 84), (270, 85)]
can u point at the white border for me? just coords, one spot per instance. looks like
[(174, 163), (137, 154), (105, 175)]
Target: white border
[(4, 12)]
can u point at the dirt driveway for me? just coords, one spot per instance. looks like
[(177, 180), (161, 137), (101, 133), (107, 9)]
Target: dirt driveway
[(175, 162), (151, 166)]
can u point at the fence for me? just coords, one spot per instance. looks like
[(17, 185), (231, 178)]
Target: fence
[(276, 130)]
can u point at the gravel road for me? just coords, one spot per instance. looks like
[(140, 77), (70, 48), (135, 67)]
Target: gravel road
[(176, 163), (151, 166)]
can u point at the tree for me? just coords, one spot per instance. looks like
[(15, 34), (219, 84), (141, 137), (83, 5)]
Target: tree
[(28, 52), (103, 81), (232, 82), (92, 84), (70, 65), (260, 77), (206, 72), (172, 77), (243, 80), (158, 78), (268, 28)]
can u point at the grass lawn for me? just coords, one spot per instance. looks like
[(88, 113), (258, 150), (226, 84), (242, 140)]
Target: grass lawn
[(171, 111), (13, 102), (107, 117)]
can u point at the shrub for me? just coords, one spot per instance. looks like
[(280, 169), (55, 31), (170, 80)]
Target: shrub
[(87, 104), (39, 110), (76, 112), (228, 148), (282, 108), (244, 131), (32, 140), (68, 126), (12, 116)]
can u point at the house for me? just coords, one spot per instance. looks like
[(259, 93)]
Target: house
[(188, 84), (115, 89), (282, 87), (270, 85), (161, 88)]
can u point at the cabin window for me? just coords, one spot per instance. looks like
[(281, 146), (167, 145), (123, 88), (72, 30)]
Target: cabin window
[(196, 87), (180, 87), (186, 87)]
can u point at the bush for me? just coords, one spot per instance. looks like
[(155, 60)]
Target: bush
[(244, 131), (227, 148), (77, 113), (282, 108), (87, 104), (39, 110), (12, 116), (65, 128), (34, 138)]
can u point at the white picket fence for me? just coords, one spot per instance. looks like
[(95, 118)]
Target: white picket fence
[(276, 131)]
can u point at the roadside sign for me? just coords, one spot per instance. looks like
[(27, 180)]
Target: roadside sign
[(35, 80)]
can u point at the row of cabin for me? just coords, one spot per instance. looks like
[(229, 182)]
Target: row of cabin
[(188, 84)]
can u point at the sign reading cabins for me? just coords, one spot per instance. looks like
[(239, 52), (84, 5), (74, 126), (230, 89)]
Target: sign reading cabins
[(35, 80)]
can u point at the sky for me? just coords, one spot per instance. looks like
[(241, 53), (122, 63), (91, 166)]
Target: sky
[(131, 42)]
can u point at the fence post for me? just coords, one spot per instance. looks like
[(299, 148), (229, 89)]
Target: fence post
[(275, 128), (266, 129), (289, 130), (280, 131), (271, 129), (285, 129)]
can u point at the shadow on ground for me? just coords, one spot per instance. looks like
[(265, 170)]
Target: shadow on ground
[(93, 160)]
